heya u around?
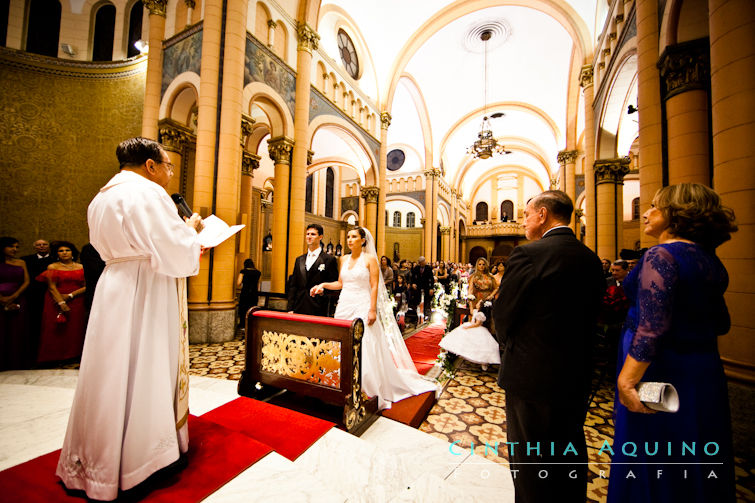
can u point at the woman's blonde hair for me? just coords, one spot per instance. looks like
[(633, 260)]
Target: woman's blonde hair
[(694, 212)]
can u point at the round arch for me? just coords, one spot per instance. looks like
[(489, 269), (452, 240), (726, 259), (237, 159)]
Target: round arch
[(399, 197), (280, 120), (180, 83), (348, 133), (614, 106)]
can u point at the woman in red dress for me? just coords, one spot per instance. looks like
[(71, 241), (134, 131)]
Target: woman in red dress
[(64, 314)]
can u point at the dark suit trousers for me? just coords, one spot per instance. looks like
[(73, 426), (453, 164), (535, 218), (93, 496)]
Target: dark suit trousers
[(535, 423)]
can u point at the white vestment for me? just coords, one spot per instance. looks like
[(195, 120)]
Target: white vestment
[(123, 424)]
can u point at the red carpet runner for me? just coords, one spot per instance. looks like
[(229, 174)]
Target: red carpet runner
[(223, 443), (423, 348)]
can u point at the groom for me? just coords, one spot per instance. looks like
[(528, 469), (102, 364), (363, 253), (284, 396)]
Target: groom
[(310, 269)]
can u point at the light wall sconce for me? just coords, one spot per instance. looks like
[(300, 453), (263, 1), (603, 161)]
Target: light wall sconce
[(68, 49), (142, 46)]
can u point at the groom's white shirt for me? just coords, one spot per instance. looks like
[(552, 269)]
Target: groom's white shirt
[(312, 257)]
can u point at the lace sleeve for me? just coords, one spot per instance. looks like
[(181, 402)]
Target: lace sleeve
[(657, 281), (479, 316)]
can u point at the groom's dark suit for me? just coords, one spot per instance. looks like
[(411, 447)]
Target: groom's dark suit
[(545, 317), (323, 270)]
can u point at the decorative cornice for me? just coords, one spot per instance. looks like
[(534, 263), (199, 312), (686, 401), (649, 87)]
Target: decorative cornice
[(72, 68), (611, 170), (280, 149), (370, 194), (567, 156), (173, 136), (385, 120), (249, 162), (585, 76), (308, 38), (156, 7), (684, 67)]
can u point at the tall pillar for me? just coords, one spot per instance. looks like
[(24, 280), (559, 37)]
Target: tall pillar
[(385, 122), (280, 150), (445, 244), (567, 159), (307, 43), (153, 84), (519, 198), (494, 209), (609, 181), (649, 106), (684, 70), (454, 226), (249, 162), (427, 230), (732, 52), (370, 196), (585, 78)]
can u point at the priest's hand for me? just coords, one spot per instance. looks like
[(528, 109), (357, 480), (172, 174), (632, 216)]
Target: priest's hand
[(195, 222)]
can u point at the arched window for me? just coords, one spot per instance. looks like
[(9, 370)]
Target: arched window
[(636, 208), (507, 210), (104, 30), (43, 30), (330, 178), (309, 194), (410, 219), (134, 28), (386, 217), (4, 9), (397, 219), (481, 211)]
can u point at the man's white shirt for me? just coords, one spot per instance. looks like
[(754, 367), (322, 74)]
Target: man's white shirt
[(312, 257)]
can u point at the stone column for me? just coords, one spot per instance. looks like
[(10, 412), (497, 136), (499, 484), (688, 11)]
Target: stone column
[(649, 106), (520, 202), (307, 43), (271, 26), (445, 244), (249, 162), (385, 122), (280, 150), (370, 195), (454, 226), (567, 159), (190, 6), (430, 232), (732, 51), (494, 209), (684, 70), (609, 180), (589, 96), (174, 138), (153, 84)]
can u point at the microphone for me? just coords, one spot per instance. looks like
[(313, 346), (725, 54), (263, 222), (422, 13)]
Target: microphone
[(183, 208)]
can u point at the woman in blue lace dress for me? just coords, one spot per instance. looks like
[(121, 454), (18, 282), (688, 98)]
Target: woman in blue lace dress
[(670, 335)]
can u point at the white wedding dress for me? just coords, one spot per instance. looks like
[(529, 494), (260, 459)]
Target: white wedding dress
[(387, 368)]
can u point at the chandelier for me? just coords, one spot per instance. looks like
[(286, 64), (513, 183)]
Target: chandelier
[(486, 145)]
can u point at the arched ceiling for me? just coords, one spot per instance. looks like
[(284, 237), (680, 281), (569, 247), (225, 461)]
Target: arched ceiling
[(428, 63)]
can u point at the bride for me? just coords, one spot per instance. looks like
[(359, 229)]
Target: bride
[(387, 369)]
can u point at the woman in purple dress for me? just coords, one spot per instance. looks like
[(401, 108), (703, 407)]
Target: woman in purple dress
[(13, 317), (676, 314)]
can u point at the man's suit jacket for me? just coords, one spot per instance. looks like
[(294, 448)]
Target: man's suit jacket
[(424, 280), (36, 266), (302, 281), (545, 318)]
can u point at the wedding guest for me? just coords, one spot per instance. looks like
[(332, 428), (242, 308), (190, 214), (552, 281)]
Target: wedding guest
[(64, 312), (248, 280), (93, 267), (442, 276), (481, 283), (671, 334), (14, 279), (36, 264), (473, 341), (387, 270)]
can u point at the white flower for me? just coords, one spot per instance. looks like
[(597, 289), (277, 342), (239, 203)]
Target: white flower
[(487, 303), (321, 268)]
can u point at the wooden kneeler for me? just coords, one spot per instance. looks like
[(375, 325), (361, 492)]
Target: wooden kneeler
[(316, 359)]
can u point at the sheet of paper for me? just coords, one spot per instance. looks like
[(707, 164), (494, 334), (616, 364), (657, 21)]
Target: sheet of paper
[(216, 231)]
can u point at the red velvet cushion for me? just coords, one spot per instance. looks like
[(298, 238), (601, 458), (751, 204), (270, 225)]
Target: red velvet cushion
[(322, 320)]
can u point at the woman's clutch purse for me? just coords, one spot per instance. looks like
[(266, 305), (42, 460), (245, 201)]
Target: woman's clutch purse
[(660, 396)]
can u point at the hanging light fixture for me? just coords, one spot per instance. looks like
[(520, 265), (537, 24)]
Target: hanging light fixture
[(486, 145)]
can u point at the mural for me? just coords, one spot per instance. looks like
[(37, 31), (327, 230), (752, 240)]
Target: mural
[(263, 66), (182, 53), (320, 105), (350, 203)]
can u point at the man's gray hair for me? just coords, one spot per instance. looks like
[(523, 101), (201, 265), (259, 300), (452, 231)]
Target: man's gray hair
[(421, 259)]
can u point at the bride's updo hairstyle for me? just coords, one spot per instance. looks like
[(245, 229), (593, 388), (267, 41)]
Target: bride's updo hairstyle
[(695, 212), (362, 233)]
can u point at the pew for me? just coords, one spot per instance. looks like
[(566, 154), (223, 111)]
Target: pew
[(316, 359)]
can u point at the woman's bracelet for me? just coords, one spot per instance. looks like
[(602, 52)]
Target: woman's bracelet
[(61, 302), (70, 296)]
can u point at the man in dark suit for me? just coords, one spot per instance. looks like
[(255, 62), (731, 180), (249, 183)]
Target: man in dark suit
[(423, 281), (36, 264), (310, 269), (545, 319)]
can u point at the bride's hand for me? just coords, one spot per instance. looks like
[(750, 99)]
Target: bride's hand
[(371, 317), (316, 290)]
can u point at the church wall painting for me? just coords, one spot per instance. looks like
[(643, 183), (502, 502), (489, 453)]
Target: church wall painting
[(181, 53), (261, 65)]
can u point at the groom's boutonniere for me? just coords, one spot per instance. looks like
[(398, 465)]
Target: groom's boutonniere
[(321, 268)]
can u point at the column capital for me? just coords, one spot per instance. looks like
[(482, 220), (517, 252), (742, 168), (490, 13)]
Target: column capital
[(249, 162), (684, 67), (554, 183), (190, 4), (432, 172), (611, 170), (280, 149), (247, 126), (422, 221), (445, 230), (272, 24), (578, 213), (173, 136), (385, 120), (308, 38), (310, 155), (156, 7), (585, 76), (370, 194), (567, 156), (453, 192)]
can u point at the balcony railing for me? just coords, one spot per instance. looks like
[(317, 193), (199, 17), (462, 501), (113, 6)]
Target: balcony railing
[(495, 229)]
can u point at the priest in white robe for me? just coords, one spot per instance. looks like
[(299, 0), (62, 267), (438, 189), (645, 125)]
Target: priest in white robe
[(128, 418)]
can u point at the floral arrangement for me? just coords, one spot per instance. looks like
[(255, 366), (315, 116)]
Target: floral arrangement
[(446, 361)]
